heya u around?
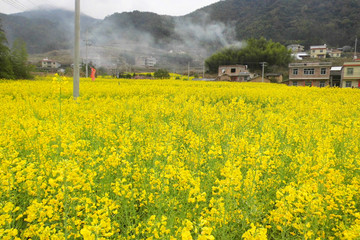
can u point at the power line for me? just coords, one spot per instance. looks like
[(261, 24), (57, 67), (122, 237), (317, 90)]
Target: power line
[(15, 5), (9, 2), (32, 3), (52, 2), (25, 5), (19, 3)]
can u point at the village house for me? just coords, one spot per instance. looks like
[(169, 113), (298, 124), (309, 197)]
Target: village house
[(259, 79), (145, 61), (235, 73), (318, 51), (351, 75), (275, 77), (296, 48), (335, 53), (309, 74), (47, 63)]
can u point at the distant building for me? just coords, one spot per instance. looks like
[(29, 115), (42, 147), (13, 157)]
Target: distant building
[(47, 63), (300, 55), (259, 79), (318, 51), (309, 74), (275, 77), (296, 48), (144, 61), (351, 75), (335, 53), (234, 73)]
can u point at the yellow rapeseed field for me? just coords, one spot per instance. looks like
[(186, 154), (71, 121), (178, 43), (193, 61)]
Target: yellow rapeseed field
[(167, 159)]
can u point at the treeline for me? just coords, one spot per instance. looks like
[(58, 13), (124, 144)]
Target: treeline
[(13, 62), (307, 22), (255, 52)]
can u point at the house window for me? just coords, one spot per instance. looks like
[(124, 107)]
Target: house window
[(295, 84), (309, 71), (322, 84), (295, 71), (323, 71), (350, 71), (348, 83), (233, 70), (308, 83), (321, 50)]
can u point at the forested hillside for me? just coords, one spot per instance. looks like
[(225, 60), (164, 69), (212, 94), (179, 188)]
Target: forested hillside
[(43, 30), (335, 22)]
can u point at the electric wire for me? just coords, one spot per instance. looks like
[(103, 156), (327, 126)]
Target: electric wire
[(8, 2), (18, 3), (32, 2), (25, 5), (14, 5)]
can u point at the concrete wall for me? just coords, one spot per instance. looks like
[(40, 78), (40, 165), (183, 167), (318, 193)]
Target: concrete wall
[(232, 70), (315, 76)]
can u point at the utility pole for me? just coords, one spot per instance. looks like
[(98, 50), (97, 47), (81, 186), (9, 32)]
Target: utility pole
[(87, 43), (355, 57), (263, 70), (76, 82), (188, 71), (204, 70)]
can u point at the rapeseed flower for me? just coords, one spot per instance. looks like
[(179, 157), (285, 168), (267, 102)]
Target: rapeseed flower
[(178, 160)]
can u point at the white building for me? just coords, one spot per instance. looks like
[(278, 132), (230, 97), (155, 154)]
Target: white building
[(300, 55), (144, 61), (296, 48), (47, 63)]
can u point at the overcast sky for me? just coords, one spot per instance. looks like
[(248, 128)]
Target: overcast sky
[(103, 8)]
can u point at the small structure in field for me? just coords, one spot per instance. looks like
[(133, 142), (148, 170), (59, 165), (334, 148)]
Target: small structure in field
[(234, 73), (260, 79)]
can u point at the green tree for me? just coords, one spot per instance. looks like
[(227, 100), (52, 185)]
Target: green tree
[(256, 51), (19, 60), (161, 74), (6, 70)]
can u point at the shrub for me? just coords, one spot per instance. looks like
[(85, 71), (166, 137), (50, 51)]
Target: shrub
[(162, 74)]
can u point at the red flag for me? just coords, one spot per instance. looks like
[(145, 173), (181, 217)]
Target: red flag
[(93, 71)]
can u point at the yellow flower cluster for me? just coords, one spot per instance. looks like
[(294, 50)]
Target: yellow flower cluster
[(166, 159)]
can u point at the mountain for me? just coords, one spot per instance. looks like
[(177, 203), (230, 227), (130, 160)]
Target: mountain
[(43, 30), (196, 35), (310, 22)]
